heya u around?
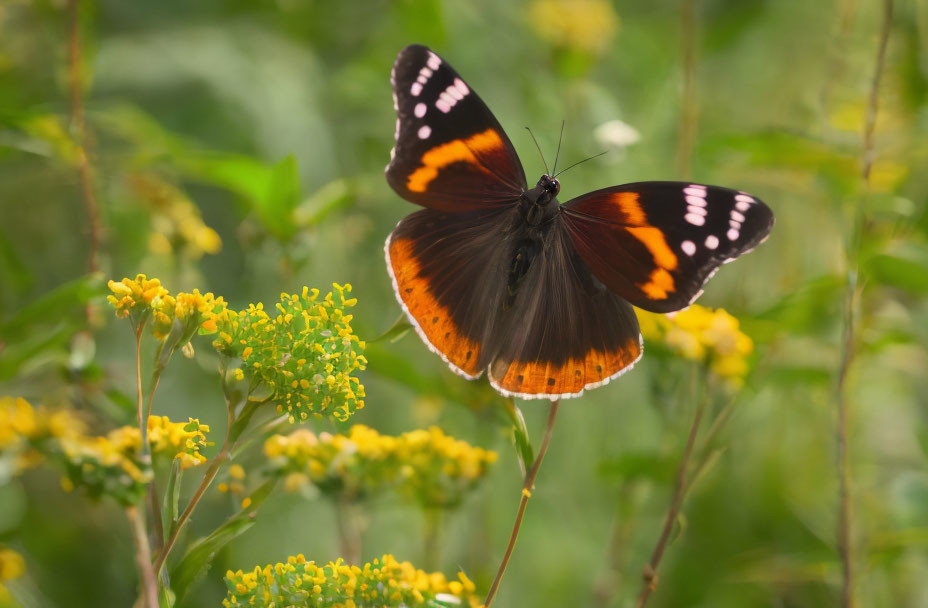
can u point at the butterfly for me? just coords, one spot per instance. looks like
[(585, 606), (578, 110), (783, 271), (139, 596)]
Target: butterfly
[(501, 278)]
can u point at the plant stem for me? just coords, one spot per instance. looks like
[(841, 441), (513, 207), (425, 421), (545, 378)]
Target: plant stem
[(147, 582), (689, 110), (526, 494), (432, 538), (854, 290), (208, 477), (349, 529), (75, 82), (138, 379), (650, 570)]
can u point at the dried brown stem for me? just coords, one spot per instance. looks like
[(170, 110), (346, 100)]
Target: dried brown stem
[(148, 585), (75, 83), (650, 570), (845, 511), (688, 114), (526, 494)]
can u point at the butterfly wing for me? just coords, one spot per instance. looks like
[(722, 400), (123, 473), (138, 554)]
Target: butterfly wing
[(565, 331), (449, 276), (655, 244), (451, 153)]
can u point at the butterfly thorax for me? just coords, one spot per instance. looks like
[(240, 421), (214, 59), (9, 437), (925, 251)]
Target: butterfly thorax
[(539, 205)]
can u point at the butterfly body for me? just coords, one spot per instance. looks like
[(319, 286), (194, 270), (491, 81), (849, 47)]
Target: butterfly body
[(501, 278)]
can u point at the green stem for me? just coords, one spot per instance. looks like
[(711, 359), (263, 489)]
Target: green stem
[(218, 460), (432, 538), (523, 502)]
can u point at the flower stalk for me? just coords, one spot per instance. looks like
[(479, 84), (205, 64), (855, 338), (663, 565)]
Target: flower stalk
[(527, 488)]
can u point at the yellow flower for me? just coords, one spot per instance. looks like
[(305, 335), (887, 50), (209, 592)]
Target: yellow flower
[(27, 432), (181, 440), (176, 221), (425, 465), (384, 582), (134, 295), (305, 352), (586, 25), (702, 334)]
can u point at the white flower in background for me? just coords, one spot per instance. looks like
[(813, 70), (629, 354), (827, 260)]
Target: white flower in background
[(616, 134)]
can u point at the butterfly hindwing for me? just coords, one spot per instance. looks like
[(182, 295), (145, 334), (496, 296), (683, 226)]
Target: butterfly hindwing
[(451, 154), (449, 275), (565, 331), (655, 244)]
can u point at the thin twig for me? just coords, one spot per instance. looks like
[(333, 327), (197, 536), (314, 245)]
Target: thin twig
[(143, 422), (854, 289), (147, 582), (688, 112), (75, 81), (526, 494), (650, 570)]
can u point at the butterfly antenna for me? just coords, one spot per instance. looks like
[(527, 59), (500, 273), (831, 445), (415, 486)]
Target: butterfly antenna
[(581, 162), (559, 139), (539, 149)]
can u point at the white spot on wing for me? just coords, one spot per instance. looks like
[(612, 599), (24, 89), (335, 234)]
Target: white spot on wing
[(425, 131), (696, 220), (420, 110), (415, 89), (695, 200), (712, 241), (688, 247), (733, 235)]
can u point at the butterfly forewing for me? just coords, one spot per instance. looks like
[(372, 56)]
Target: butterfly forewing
[(451, 153), (657, 243)]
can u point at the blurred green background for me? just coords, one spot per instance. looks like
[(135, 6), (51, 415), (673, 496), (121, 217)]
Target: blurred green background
[(238, 147)]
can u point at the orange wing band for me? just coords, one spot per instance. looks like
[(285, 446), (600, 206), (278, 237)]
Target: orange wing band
[(541, 379), (434, 322), (455, 151)]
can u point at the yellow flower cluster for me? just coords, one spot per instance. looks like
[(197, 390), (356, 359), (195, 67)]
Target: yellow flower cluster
[(427, 465), (437, 470), (304, 354), (176, 222), (180, 440), (24, 430), (112, 465), (105, 465), (143, 298), (382, 583), (584, 25), (702, 334)]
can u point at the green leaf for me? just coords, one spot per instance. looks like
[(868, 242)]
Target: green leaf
[(198, 558), (329, 198), (171, 507), (62, 303), (276, 210), (908, 273), (395, 333), (520, 435)]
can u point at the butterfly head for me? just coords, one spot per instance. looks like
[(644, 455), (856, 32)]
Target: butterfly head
[(549, 185), (539, 204)]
